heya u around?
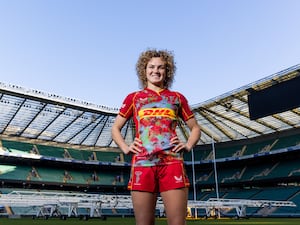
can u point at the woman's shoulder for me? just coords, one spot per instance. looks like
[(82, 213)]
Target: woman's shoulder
[(179, 95), (133, 93), (176, 92)]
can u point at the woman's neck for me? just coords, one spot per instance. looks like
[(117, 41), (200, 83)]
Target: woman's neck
[(155, 87)]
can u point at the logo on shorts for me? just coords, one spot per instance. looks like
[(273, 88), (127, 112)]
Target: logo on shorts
[(137, 176), (178, 179)]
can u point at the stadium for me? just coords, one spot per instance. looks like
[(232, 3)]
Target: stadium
[(58, 159)]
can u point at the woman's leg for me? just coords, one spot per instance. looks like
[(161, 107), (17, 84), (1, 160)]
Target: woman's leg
[(144, 207), (175, 202)]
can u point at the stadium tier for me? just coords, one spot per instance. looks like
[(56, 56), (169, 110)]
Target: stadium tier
[(254, 175), (240, 167)]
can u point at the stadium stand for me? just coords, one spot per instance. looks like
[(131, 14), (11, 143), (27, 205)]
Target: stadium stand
[(53, 147)]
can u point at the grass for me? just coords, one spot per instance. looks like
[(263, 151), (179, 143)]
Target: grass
[(130, 221)]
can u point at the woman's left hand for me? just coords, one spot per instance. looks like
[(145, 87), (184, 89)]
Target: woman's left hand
[(179, 146)]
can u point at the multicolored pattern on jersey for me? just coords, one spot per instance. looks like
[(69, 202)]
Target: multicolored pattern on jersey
[(156, 116)]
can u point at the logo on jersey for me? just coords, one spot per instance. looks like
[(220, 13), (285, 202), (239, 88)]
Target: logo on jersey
[(151, 112)]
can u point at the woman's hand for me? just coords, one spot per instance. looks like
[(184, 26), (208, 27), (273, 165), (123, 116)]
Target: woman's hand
[(135, 146), (179, 146)]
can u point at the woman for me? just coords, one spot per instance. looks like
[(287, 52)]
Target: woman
[(157, 162)]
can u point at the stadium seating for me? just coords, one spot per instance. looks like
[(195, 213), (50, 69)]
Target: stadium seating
[(254, 170)]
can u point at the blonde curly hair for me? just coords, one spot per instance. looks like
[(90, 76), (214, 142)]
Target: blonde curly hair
[(166, 56)]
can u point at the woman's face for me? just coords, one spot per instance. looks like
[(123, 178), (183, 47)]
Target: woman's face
[(156, 71)]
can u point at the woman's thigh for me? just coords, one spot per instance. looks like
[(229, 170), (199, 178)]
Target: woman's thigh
[(175, 203), (144, 204)]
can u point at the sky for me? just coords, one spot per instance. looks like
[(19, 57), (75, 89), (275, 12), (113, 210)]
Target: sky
[(87, 49)]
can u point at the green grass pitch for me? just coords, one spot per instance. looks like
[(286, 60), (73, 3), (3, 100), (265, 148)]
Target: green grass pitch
[(130, 221)]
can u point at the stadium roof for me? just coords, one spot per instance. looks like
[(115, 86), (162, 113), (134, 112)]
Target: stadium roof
[(39, 116)]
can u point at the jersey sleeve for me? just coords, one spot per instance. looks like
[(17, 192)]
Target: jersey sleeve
[(185, 112), (126, 109)]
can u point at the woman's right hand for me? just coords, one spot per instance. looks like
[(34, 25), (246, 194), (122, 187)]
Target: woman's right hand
[(135, 147)]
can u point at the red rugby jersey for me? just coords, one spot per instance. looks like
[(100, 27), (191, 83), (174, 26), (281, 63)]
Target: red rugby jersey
[(156, 116)]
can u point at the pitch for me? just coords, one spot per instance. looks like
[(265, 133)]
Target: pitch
[(130, 221)]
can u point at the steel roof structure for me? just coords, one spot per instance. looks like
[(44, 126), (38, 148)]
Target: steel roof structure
[(39, 116)]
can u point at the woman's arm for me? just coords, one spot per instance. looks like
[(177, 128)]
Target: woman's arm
[(194, 134), (120, 141), (193, 138)]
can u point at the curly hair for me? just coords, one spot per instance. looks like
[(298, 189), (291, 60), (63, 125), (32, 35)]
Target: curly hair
[(166, 56)]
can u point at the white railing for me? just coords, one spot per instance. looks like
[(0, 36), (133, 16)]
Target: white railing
[(48, 203)]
